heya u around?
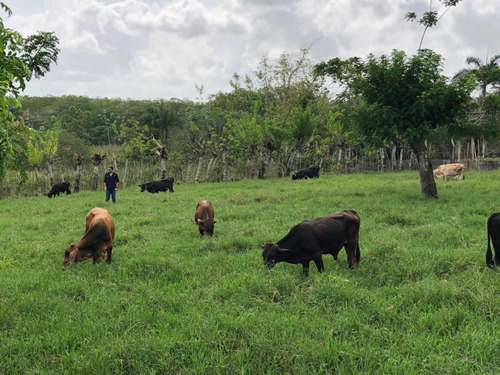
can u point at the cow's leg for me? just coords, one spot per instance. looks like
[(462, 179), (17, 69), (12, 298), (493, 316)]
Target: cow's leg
[(496, 249), (319, 263), (109, 251), (351, 248), (305, 268)]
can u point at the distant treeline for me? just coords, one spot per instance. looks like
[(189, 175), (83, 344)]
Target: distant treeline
[(281, 121)]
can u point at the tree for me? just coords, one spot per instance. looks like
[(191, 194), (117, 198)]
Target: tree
[(485, 74), (35, 156), (96, 160), (404, 98), (79, 166), (430, 18), (43, 144), (50, 140), (20, 60), (285, 84)]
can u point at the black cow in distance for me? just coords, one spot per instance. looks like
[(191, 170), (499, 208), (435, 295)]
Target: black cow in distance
[(157, 186), (312, 171), (58, 188)]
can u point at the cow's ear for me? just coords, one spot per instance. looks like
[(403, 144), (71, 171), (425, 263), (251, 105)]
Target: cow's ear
[(199, 221)]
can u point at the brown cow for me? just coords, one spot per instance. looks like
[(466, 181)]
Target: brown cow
[(310, 239), (450, 170), (204, 217), (97, 240)]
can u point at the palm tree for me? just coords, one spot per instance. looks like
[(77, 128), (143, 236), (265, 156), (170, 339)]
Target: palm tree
[(486, 74)]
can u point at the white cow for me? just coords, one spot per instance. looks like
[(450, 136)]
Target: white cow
[(450, 170)]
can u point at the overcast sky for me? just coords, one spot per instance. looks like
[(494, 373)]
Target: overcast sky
[(149, 49)]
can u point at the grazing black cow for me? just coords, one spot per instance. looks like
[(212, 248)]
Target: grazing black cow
[(494, 234), (312, 171), (310, 239), (157, 186), (58, 188)]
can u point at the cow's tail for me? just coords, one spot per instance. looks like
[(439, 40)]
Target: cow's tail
[(489, 255)]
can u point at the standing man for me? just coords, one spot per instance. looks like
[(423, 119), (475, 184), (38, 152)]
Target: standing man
[(111, 183)]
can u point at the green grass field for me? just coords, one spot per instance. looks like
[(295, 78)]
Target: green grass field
[(421, 302)]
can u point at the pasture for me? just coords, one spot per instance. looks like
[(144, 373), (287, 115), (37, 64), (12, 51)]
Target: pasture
[(171, 302)]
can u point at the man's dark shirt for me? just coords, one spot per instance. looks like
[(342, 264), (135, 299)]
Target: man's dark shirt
[(111, 180)]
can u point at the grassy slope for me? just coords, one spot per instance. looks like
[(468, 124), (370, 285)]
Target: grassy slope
[(421, 301)]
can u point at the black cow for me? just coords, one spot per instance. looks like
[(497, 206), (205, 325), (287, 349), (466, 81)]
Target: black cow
[(312, 171), (58, 188), (494, 234), (310, 239), (157, 186)]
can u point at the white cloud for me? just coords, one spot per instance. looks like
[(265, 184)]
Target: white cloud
[(160, 48)]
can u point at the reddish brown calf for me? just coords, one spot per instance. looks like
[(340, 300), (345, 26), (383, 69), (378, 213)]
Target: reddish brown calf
[(97, 240), (204, 217)]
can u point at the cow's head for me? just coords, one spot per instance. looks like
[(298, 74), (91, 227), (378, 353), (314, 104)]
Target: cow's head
[(74, 255), (49, 194), (294, 176), (143, 187), (269, 251), (206, 225)]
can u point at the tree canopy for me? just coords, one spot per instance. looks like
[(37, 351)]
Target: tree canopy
[(404, 98), (20, 60)]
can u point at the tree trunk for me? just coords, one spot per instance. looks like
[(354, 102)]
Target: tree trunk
[(163, 168), (224, 166), (141, 171), (483, 147), (401, 158), (265, 162), (96, 177), (382, 159), (347, 160), (253, 156), (393, 158), (459, 151), (79, 166), (198, 170), (209, 167), (291, 160), (38, 183), (51, 175), (339, 159), (427, 182), (473, 149), (96, 160), (125, 173), (188, 173)]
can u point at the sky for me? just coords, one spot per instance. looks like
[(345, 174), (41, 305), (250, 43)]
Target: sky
[(164, 49)]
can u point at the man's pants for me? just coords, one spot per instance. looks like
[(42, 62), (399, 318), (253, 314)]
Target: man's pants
[(113, 195)]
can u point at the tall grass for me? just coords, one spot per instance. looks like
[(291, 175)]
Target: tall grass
[(171, 302)]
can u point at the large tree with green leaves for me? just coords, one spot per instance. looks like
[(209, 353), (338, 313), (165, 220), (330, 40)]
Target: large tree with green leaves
[(21, 59), (403, 98)]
